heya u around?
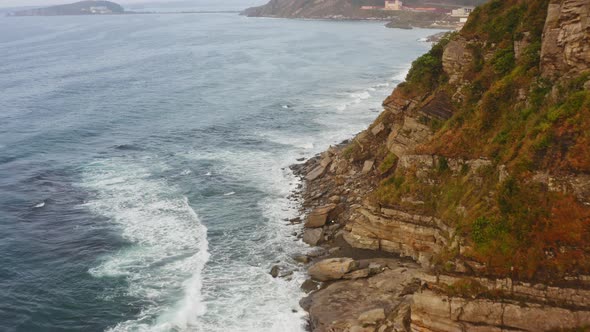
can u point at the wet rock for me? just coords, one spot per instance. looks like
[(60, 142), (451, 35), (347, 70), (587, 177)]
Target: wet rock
[(301, 259), (274, 272), (309, 286), (331, 269)]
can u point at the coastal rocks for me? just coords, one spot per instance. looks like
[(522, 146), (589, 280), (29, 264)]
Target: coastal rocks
[(455, 60), (435, 312), (415, 236), (309, 286), (303, 259), (375, 303), (315, 173), (331, 269), (319, 216), (565, 50), (371, 317), (313, 236), (274, 271)]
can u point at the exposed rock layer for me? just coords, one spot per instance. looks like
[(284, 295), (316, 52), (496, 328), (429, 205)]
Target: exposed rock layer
[(459, 294)]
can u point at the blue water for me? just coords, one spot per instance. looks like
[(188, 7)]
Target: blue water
[(143, 179)]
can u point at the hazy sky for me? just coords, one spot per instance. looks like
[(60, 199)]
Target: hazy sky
[(19, 3)]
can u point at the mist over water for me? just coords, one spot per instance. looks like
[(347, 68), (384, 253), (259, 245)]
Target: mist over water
[(144, 162)]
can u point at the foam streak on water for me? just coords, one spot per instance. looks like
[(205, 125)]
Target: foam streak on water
[(167, 244)]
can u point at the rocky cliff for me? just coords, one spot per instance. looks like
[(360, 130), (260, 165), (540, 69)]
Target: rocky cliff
[(478, 172)]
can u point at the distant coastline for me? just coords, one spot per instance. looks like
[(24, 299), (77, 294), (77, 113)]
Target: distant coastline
[(409, 14)]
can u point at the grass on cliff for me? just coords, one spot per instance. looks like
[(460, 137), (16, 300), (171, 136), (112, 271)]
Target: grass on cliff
[(510, 115)]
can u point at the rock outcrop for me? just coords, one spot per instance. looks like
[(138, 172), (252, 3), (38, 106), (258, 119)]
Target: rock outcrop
[(566, 41), (415, 185)]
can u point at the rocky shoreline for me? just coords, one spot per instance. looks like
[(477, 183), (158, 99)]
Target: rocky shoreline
[(384, 209), (362, 280), (397, 266)]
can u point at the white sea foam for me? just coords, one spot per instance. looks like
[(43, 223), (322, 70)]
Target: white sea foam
[(244, 296), (361, 95), (401, 74), (229, 193), (167, 249), (39, 205)]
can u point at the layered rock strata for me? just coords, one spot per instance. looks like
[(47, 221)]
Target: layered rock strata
[(426, 294)]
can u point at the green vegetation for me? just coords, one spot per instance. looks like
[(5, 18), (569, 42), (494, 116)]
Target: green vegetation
[(388, 163), (515, 118), (427, 72), (466, 288)]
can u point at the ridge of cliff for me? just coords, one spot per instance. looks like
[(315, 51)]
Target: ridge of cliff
[(478, 170)]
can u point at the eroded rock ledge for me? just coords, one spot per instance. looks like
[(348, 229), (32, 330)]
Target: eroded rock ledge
[(400, 295)]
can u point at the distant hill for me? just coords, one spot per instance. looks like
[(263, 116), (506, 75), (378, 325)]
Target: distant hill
[(78, 8), (342, 8)]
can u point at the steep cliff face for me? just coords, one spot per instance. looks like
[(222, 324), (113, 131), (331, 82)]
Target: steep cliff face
[(479, 170), (566, 45)]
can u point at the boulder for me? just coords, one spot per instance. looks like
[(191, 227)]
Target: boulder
[(319, 216), (331, 269), (313, 236), (301, 259), (368, 166), (371, 317), (315, 173), (377, 128), (309, 286)]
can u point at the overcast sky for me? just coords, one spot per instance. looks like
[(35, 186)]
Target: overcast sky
[(20, 3)]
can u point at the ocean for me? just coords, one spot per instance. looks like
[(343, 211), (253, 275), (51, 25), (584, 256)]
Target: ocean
[(144, 175)]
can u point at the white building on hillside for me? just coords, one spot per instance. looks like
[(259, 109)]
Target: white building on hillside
[(462, 12), (393, 5)]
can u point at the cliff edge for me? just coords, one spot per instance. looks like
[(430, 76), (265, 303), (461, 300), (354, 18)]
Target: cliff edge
[(478, 171)]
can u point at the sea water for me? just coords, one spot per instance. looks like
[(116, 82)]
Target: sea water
[(144, 175)]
